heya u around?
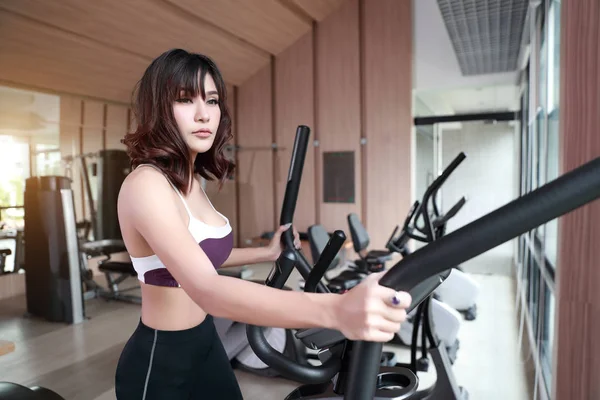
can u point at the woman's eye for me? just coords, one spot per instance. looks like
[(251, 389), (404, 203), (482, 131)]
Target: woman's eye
[(213, 102), (184, 100)]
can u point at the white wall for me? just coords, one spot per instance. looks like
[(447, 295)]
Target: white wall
[(424, 161), (486, 178)]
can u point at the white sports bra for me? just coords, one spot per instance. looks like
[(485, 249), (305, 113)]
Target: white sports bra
[(216, 241)]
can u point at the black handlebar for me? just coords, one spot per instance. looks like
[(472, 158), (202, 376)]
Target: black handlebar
[(419, 269), (450, 214), (437, 184), (423, 212), (335, 243), (291, 257), (294, 176), (420, 209)]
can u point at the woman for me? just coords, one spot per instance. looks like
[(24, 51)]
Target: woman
[(177, 240)]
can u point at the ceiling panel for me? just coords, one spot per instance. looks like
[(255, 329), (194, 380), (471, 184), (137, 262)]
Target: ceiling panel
[(266, 24), (486, 34), (41, 57), (318, 9), (101, 48), (146, 28)]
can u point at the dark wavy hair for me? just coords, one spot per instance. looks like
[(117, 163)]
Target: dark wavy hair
[(157, 139)]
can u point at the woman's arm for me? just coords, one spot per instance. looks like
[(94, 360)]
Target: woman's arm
[(255, 255), (250, 255), (364, 313)]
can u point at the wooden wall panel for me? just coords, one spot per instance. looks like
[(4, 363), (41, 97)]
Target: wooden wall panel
[(70, 144), (255, 158), (318, 9), (92, 140), (577, 352), (387, 115), (294, 105), (338, 119), (93, 126), (116, 126)]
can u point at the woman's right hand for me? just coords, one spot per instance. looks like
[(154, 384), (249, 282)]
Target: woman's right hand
[(367, 311)]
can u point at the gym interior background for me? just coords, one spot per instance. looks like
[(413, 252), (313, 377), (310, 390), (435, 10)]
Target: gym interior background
[(393, 90)]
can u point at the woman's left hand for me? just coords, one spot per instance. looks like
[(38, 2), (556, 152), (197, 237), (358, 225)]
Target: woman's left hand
[(275, 247)]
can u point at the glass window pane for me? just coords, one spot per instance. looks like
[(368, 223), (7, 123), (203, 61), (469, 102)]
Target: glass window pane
[(542, 73), (552, 138), (547, 341), (539, 151), (525, 270), (552, 172), (532, 181), (534, 293), (553, 55)]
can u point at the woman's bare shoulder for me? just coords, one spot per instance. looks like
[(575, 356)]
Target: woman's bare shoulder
[(142, 183)]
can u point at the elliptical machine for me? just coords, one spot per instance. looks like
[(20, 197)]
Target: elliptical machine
[(447, 319), (334, 351), (459, 291), (350, 369)]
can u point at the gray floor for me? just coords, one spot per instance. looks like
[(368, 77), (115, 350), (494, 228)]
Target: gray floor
[(79, 361)]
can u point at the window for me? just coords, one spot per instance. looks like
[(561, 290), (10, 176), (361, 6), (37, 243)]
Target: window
[(534, 292), (14, 164), (552, 149), (547, 338), (540, 165), (47, 160)]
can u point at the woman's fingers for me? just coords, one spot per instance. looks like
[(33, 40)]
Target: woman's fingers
[(388, 326), (395, 299), (396, 316)]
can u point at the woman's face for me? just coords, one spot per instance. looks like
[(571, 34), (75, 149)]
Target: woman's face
[(198, 119)]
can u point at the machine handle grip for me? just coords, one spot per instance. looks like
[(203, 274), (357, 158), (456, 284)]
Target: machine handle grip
[(335, 243)]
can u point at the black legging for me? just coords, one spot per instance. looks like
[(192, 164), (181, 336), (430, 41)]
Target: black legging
[(187, 364)]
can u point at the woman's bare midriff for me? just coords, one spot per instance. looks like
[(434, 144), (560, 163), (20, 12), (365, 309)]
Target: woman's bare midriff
[(169, 309)]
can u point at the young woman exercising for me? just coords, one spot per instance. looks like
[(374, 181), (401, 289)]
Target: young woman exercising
[(176, 240)]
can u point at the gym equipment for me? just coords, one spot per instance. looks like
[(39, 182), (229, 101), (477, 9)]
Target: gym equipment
[(111, 167), (14, 391), (357, 371), (331, 354), (114, 271), (53, 278), (447, 320), (235, 342), (15, 234), (345, 280), (370, 260), (459, 290), (3, 254)]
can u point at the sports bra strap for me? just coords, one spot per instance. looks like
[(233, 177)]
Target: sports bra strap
[(173, 186)]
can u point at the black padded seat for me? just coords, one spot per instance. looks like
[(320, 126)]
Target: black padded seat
[(118, 267), (370, 259)]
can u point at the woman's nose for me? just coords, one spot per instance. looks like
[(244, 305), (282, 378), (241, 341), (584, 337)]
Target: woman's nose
[(202, 113)]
